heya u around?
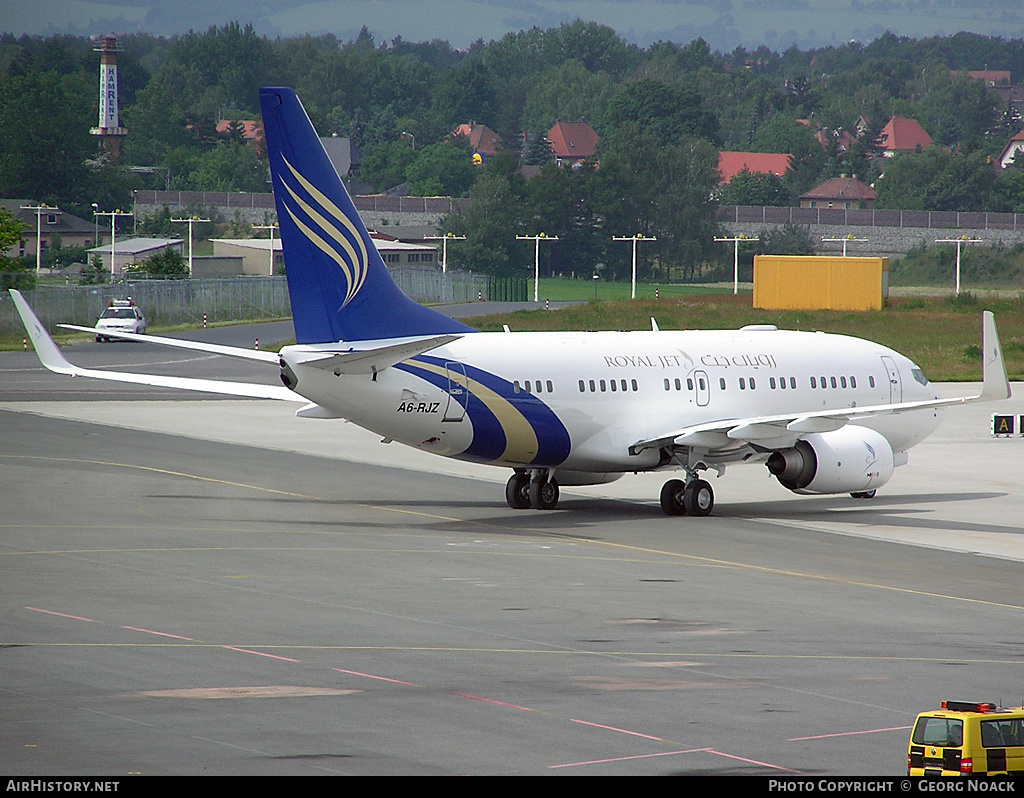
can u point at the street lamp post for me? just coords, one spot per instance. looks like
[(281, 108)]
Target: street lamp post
[(270, 227), (444, 247), (113, 232), (536, 259), (736, 240), (958, 241), (634, 239), (845, 240), (193, 220), (40, 210)]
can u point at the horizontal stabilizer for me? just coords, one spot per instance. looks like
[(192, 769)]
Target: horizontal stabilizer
[(374, 356)]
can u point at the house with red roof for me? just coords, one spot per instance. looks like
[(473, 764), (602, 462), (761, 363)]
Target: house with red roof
[(839, 192), (1013, 146), (252, 130), (572, 142), (902, 134), (483, 141), (731, 164), (990, 77)]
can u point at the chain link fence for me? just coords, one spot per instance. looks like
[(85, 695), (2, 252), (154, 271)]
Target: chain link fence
[(170, 302)]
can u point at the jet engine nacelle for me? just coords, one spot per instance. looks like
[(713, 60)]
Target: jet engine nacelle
[(851, 459)]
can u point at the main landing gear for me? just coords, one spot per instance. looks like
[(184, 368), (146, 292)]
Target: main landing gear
[(536, 489), (693, 497)]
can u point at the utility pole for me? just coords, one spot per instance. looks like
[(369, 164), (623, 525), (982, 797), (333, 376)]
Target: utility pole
[(536, 259), (190, 222), (736, 241), (40, 210), (444, 247), (113, 231), (634, 239), (958, 241), (845, 240)]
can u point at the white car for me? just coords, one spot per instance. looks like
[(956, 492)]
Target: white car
[(122, 315)]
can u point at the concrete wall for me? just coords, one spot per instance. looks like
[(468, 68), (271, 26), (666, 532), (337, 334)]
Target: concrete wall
[(888, 233), (376, 211)]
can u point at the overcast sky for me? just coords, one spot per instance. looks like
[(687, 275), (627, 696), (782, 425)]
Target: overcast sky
[(723, 23)]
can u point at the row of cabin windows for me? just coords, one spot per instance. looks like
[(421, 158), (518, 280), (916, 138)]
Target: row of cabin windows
[(745, 383), (537, 386), (677, 384), (780, 383), (608, 385)]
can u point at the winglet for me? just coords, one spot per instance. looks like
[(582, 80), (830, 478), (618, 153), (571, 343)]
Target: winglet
[(49, 355), (994, 383)]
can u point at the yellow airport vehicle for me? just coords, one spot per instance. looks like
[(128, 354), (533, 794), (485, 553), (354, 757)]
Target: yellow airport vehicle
[(964, 738)]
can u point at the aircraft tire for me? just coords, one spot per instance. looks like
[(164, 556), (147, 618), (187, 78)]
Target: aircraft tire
[(543, 494), (672, 497), (699, 498), (864, 494), (517, 492)]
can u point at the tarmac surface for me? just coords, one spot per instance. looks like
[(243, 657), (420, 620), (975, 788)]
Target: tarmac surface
[(212, 586)]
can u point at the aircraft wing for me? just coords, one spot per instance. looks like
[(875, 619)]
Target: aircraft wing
[(52, 358), (782, 431), (181, 343)]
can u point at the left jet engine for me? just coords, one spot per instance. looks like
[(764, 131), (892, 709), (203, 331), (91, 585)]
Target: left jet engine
[(848, 460)]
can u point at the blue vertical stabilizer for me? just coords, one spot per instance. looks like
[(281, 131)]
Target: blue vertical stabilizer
[(340, 288)]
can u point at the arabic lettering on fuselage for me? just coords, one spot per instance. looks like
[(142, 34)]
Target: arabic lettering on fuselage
[(761, 360), (755, 361)]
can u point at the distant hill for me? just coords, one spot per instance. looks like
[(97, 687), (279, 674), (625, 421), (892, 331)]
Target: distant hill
[(724, 24)]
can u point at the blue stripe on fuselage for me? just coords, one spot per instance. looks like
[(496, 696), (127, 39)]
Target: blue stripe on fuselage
[(489, 436)]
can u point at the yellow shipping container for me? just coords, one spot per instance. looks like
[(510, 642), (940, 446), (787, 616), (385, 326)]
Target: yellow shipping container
[(816, 282)]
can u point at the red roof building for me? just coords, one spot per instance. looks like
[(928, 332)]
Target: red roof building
[(1010, 151), (572, 142), (839, 192), (901, 134), (252, 130), (990, 77), (483, 141), (731, 164)]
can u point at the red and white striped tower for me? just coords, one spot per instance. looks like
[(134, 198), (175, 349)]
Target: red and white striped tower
[(109, 130)]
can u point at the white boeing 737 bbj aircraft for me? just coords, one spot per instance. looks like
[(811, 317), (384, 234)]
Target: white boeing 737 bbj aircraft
[(825, 413)]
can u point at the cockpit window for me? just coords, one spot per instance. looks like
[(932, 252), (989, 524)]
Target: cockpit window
[(919, 375)]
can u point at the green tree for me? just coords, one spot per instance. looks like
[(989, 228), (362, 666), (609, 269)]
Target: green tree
[(13, 271), (44, 130), (386, 164), (166, 263), (667, 112), (937, 180), (569, 92), (443, 169), (232, 166), (755, 188), (661, 191), (490, 222), (789, 239), (94, 273)]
